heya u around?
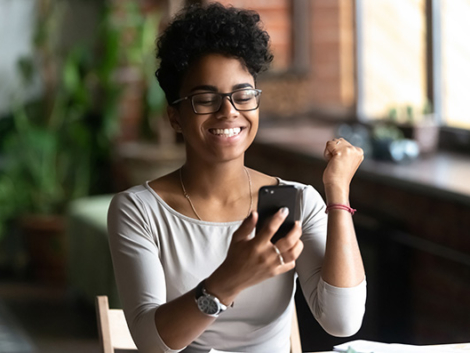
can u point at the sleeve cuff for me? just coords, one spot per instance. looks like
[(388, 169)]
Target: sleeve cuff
[(330, 289)]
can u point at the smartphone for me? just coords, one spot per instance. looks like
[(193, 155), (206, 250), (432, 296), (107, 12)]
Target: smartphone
[(270, 200)]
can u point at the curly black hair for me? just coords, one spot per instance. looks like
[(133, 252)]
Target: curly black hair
[(212, 29)]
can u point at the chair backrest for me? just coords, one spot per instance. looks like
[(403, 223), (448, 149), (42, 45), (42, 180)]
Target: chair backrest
[(295, 345), (114, 333), (112, 328)]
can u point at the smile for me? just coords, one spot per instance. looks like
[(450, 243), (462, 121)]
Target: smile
[(226, 132)]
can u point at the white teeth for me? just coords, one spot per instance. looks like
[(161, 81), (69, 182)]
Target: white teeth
[(226, 132)]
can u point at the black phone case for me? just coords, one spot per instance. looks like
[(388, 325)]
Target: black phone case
[(270, 200)]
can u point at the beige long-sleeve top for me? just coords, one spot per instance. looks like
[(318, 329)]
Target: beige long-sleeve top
[(160, 254)]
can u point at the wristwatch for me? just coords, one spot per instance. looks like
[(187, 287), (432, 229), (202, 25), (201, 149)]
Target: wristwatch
[(209, 304)]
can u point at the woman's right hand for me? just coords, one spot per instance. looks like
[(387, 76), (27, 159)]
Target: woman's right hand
[(252, 260)]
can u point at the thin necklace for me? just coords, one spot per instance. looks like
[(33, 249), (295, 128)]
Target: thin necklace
[(191, 204)]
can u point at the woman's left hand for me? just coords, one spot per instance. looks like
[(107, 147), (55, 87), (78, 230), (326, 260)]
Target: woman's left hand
[(343, 161)]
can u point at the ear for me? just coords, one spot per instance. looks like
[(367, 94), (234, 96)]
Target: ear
[(173, 116)]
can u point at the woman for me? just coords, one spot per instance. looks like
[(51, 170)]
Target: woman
[(191, 272)]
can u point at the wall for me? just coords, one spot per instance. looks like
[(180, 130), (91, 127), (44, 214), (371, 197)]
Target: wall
[(328, 84)]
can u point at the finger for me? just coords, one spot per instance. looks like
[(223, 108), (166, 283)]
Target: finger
[(360, 151), (336, 147), (290, 240), (337, 143), (272, 225), (342, 141), (331, 147), (327, 154), (246, 228), (293, 253)]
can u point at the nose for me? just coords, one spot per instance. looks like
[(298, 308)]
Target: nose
[(227, 109)]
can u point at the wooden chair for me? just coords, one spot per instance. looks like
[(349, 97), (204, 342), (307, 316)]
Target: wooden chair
[(295, 345), (112, 328), (115, 336)]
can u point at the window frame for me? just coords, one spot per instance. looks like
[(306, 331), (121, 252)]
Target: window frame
[(450, 138)]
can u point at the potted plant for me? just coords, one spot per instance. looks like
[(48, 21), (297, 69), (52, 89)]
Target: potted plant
[(418, 126), (46, 166), (59, 146)]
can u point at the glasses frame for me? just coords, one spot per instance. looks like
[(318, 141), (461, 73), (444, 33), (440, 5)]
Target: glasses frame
[(222, 95)]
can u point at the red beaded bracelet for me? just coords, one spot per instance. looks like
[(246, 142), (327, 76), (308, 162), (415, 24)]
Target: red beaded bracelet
[(338, 206)]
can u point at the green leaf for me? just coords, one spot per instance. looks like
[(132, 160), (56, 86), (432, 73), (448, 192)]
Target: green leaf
[(71, 75)]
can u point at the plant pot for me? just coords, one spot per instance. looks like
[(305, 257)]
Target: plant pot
[(45, 242), (425, 133)]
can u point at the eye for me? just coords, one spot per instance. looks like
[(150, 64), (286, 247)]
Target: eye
[(205, 99), (244, 96)]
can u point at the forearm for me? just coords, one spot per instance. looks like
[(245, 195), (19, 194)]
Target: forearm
[(180, 322), (342, 265)]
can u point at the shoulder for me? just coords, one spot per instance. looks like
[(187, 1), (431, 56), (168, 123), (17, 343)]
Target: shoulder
[(305, 189), (260, 179), (310, 200), (133, 195), (130, 203)]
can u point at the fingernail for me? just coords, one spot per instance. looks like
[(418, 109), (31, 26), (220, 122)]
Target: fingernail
[(284, 211)]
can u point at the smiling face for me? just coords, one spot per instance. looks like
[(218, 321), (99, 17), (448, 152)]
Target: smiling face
[(226, 134)]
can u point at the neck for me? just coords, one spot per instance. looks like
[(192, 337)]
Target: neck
[(224, 181)]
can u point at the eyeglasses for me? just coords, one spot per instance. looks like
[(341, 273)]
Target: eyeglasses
[(210, 102)]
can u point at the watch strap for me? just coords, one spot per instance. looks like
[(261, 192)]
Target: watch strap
[(199, 291)]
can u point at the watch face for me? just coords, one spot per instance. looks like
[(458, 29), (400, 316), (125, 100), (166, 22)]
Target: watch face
[(207, 305)]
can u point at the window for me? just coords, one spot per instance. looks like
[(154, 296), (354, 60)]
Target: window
[(16, 34), (413, 55), (455, 62)]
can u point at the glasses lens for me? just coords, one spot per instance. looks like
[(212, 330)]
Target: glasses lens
[(247, 99), (205, 103)]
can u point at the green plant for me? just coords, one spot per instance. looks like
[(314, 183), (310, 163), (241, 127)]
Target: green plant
[(137, 31), (48, 153), (386, 132), (408, 114), (46, 166), (58, 147)]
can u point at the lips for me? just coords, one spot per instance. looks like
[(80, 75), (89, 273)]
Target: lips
[(226, 132)]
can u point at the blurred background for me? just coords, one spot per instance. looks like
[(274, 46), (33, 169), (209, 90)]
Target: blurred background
[(82, 117)]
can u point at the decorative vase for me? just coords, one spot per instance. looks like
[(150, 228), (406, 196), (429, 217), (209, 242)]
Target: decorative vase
[(425, 133)]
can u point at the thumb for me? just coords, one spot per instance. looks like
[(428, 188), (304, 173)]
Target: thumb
[(327, 155), (246, 228), (330, 148)]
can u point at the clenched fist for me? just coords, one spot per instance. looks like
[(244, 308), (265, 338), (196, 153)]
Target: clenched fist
[(343, 161)]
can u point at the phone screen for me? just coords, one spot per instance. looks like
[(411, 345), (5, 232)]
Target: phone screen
[(270, 200)]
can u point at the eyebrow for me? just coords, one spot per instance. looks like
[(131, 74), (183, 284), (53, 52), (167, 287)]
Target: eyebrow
[(214, 89)]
